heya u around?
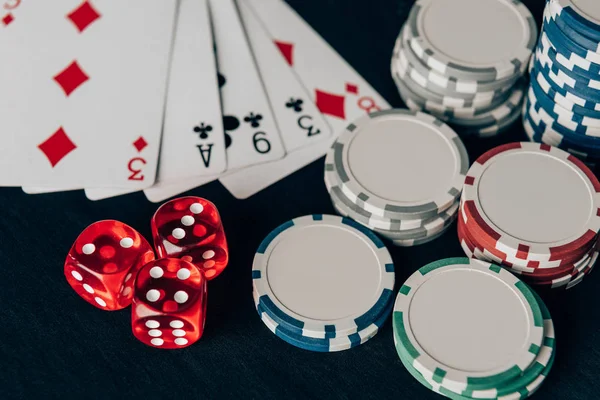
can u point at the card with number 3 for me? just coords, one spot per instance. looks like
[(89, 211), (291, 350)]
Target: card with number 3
[(83, 93)]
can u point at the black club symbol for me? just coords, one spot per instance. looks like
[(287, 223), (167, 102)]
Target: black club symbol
[(295, 104), (253, 120), (203, 130)]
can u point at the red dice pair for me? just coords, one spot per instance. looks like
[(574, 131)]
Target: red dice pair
[(111, 266)]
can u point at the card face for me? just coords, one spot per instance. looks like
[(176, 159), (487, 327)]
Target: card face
[(193, 141), (251, 134), (84, 89), (339, 92), (300, 122), (193, 137)]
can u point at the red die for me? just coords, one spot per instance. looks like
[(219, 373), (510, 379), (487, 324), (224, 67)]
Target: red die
[(102, 264), (169, 304), (190, 228)]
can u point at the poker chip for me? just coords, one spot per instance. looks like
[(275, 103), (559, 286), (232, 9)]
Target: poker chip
[(562, 106), (446, 347), (469, 78), (369, 174), (471, 329), (533, 209), (323, 283)]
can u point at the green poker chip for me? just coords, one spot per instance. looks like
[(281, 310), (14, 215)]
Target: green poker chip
[(466, 325)]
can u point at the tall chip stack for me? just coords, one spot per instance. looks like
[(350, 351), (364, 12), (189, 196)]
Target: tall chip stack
[(463, 61), (563, 101), (398, 173), (533, 209)]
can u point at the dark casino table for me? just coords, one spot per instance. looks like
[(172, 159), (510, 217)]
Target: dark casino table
[(54, 345)]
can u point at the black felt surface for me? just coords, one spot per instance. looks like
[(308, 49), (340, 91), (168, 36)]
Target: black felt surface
[(53, 344)]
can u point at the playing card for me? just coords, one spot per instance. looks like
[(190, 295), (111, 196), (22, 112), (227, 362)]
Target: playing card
[(339, 92), (193, 142), (297, 117), (300, 122), (84, 89), (251, 134)]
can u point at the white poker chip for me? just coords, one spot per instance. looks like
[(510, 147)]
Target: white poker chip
[(322, 277), (376, 157)]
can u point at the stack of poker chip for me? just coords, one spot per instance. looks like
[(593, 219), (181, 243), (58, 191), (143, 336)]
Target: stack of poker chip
[(463, 61), (533, 209), (323, 283), (468, 329), (563, 100), (398, 173)]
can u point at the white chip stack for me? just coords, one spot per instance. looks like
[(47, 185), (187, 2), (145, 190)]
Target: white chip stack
[(463, 60), (399, 173)]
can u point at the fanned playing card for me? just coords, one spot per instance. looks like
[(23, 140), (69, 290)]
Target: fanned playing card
[(193, 141), (339, 92), (85, 92)]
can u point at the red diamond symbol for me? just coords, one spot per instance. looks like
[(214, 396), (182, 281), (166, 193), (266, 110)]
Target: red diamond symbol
[(331, 104), (57, 146), (140, 144), (350, 88), (287, 50), (71, 78), (8, 18), (83, 16)]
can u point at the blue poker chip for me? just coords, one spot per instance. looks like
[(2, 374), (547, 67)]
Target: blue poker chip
[(570, 120), (585, 88), (576, 36), (567, 60), (565, 98), (580, 15), (324, 345), (546, 121), (322, 277), (563, 43), (543, 133)]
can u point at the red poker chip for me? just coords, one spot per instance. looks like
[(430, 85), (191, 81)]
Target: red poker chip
[(538, 276), (524, 265), (532, 202)]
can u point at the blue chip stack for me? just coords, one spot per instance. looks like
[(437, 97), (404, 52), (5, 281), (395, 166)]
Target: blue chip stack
[(562, 108)]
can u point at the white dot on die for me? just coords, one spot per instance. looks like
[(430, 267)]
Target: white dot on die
[(178, 332), (126, 242), (176, 324), (196, 208), (208, 254), (153, 295), (157, 341), (187, 220), (77, 275), (152, 324), (156, 272), (178, 233), (88, 248), (181, 341), (100, 301), (183, 274), (155, 332), (181, 296), (128, 277), (88, 288), (126, 291)]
